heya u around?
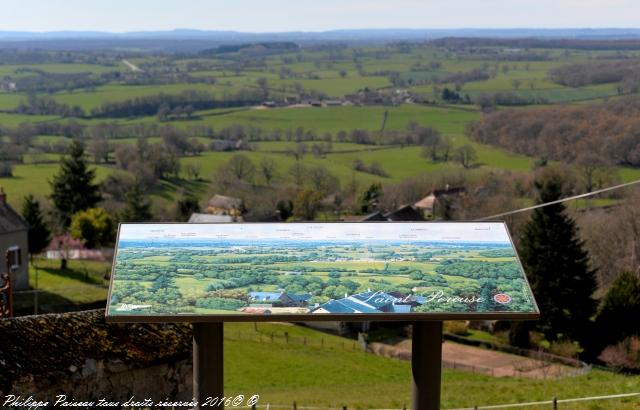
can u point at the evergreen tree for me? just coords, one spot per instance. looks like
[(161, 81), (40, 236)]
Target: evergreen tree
[(137, 207), (72, 187), (618, 317), (371, 197), (186, 206), (39, 233), (558, 268)]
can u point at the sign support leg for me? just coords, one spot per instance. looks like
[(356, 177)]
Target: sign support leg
[(207, 362), (426, 365)]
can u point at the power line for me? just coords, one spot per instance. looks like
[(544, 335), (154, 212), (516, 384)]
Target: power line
[(571, 198)]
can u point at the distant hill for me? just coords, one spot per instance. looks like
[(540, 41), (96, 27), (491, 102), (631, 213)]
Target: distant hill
[(189, 40), (352, 34)]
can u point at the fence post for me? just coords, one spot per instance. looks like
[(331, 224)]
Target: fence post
[(555, 403), (286, 337), (295, 406)]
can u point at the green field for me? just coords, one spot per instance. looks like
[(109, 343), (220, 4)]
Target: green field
[(82, 282), (328, 73), (301, 371), (34, 179)]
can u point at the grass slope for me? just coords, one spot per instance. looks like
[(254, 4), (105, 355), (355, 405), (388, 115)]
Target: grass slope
[(333, 376)]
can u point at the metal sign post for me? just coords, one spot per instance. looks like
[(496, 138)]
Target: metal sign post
[(208, 363), (426, 365)]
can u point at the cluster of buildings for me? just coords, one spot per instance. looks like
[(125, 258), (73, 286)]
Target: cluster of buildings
[(365, 96), (222, 208)]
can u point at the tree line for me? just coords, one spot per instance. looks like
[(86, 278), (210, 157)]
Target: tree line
[(578, 75), (597, 134)]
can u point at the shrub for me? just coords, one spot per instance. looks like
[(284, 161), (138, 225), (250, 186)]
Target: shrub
[(457, 327), (623, 355)]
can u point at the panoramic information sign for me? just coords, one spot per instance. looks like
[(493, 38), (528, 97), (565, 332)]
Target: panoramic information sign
[(317, 271)]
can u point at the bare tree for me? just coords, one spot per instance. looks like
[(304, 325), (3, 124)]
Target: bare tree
[(466, 155), (100, 148), (298, 172), (263, 85), (267, 169), (322, 181), (299, 151), (193, 171), (241, 168), (592, 168), (516, 84)]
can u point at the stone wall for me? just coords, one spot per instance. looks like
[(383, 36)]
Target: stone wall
[(78, 354)]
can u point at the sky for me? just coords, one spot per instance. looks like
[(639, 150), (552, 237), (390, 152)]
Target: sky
[(464, 231), (312, 15)]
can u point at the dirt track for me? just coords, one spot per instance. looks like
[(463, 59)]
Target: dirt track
[(479, 360)]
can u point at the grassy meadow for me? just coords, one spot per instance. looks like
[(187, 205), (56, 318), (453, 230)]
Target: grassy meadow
[(306, 373), (333, 74)]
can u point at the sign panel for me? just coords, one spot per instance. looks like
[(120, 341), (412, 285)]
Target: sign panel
[(317, 271)]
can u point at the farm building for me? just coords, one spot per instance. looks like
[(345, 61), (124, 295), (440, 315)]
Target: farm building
[(225, 205), (436, 201), (14, 238), (405, 213), (66, 247), (209, 218)]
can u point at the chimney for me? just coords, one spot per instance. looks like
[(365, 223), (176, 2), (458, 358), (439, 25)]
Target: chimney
[(3, 196)]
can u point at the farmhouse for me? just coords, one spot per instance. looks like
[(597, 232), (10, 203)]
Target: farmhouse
[(435, 202), (225, 205), (14, 238)]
